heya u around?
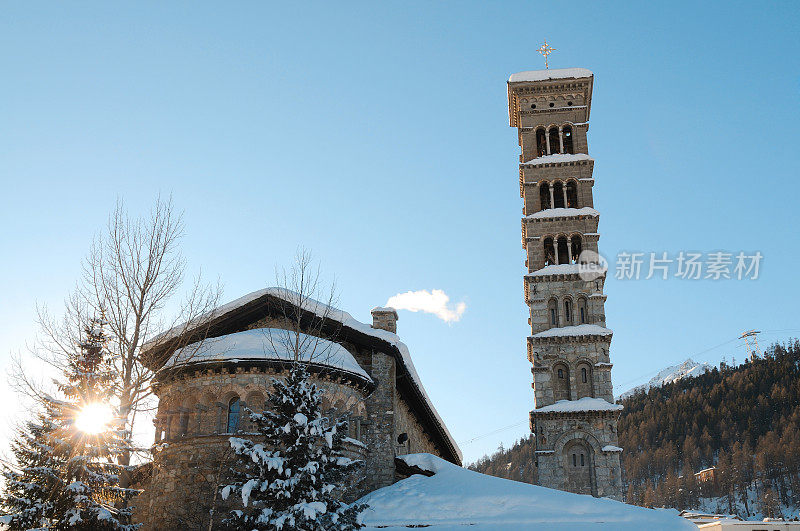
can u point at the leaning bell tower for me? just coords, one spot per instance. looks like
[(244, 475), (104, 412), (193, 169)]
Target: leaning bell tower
[(574, 419)]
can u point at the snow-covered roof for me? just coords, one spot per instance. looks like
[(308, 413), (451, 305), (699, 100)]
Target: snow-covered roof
[(705, 470), (611, 448), (266, 344), (557, 158), (568, 269), (555, 269), (577, 330), (456, 498), (544, 75), (583, 404), (563, 212), (322, 310)]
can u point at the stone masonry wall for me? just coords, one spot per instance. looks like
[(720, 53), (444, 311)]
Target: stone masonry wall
[(379, 432), (553, 435), (192, 448), (406, 422)]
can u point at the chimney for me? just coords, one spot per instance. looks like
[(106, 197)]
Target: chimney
[(384, 319)]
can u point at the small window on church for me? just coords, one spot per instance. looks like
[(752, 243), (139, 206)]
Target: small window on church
[(552, 104), (574, 460), (568, 311), (552, 316), (234, 407), (583, 314), (184, 419), (569, 103), (566, 132), (533, 106), (582, 463), (561, 373), (583, 374)]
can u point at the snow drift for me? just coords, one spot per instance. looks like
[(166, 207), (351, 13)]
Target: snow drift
[(455, 497)]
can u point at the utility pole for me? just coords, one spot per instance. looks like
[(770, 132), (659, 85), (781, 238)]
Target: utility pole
[(752, 350)]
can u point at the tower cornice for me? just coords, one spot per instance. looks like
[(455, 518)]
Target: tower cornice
[(546, 82)]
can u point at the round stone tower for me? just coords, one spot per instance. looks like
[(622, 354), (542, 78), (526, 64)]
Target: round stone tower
[(203, 389)]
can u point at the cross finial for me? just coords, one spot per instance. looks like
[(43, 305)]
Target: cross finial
[(545, 49)]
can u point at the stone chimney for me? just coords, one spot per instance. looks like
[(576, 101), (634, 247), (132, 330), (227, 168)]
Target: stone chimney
[(384, 319)]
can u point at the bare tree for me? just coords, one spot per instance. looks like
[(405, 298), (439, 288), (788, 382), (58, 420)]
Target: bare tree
[(134, 275), (307, 311)]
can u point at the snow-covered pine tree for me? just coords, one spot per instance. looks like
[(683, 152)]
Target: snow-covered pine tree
[(27, 501), (65, 475), (292, 476)]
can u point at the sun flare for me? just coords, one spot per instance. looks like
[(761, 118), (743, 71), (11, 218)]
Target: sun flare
[(94, 418)]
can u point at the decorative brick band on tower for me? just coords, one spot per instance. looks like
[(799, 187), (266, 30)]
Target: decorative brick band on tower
[(574, 417)]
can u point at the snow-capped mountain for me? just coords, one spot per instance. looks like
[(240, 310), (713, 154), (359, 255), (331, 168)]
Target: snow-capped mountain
[(687, 369)]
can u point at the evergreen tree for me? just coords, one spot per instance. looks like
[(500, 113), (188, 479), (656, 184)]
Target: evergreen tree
[(27, 499), (65, 475), (292, 476)]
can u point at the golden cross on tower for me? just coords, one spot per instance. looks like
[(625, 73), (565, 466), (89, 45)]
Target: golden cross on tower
[(545, 49)]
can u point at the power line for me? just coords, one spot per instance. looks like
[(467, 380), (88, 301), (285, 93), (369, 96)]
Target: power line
[(636, 379), (498, 430)]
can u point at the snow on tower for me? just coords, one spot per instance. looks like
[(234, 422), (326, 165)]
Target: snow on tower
[(574, 417)]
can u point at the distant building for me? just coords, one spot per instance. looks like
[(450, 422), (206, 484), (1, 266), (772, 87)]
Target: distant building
[(705, 475), (366, 374)]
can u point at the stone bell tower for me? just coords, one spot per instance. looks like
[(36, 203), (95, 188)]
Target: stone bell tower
[(574, 417)]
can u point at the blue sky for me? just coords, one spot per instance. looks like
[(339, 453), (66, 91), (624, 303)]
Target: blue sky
[(376, 134)]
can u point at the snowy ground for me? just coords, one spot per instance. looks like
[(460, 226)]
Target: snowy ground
[(719, 505), (455, 497)]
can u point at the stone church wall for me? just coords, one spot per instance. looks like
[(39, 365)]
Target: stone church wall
[(554, 433), (407, 422), (188, 467)]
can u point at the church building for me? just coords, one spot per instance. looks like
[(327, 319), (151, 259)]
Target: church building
[(205, 376), (574, 419)]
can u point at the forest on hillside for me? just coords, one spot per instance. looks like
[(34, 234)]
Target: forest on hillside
[(744, 420)]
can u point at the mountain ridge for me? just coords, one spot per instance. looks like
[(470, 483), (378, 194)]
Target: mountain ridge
[(670, 374)]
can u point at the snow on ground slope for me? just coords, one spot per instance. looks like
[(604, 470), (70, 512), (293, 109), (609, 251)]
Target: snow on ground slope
[(455, 497), (687, 369)]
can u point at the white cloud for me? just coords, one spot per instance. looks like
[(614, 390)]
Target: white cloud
[(434, 301)]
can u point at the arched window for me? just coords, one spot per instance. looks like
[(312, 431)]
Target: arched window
[(558, 195), (549, 252), (566, 133), (572, 194), (561, 382), (584, 385), (578, 464), (544, 195), (563, 255), (184, 422), (568, 311), (234, 409), (576, 249), (541, 143), (582, 310), (553, 310), (555, 146)]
